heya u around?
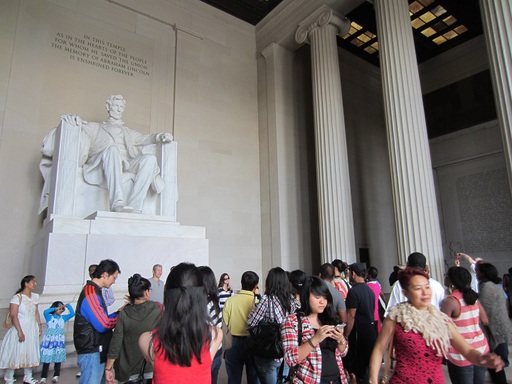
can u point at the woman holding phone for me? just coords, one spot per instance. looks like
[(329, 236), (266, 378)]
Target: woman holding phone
[(318, 353)]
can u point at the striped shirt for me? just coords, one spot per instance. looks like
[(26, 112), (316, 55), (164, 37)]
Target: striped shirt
[(468, 326), (223, 296)]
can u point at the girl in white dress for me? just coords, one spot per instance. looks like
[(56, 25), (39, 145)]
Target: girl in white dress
[(20, 347)]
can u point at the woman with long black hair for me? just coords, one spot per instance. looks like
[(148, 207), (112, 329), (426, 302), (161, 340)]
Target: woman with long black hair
[(275, 305), (183, 347), (318, 354), (212, 297), (224, 289), (463, 307)]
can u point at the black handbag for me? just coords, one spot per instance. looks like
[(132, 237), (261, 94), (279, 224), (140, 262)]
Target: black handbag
[(265, 338), (140, 379)]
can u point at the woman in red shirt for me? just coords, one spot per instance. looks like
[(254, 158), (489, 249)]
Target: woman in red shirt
[(183, 346)]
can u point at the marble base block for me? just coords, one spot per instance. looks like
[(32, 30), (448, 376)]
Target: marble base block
[(66, 246)]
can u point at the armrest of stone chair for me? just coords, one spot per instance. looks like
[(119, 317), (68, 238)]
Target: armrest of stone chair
[(70, 147), (166, 154)]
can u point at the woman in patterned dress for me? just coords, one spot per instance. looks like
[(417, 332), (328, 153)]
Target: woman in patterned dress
[(20, 347), (421, 336)]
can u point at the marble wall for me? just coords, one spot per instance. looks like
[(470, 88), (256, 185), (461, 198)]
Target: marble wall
[(183, 67)]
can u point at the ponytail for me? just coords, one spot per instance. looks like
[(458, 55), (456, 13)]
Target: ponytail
[(461, 280), (469, 296)]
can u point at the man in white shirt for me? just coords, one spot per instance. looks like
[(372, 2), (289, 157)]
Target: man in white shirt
[(416, 260)]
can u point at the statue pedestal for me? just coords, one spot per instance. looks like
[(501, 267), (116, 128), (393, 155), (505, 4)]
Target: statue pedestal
[(66, 246)]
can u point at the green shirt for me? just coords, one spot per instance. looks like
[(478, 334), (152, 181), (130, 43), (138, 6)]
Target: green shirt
[(236, 311)]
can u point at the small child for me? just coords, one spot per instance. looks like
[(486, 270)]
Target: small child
[(53, 346)]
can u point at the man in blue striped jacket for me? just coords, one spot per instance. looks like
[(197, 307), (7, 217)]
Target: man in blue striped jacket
[(93, 326)]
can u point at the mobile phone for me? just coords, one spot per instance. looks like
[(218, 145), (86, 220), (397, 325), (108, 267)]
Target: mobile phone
[(341, 326)]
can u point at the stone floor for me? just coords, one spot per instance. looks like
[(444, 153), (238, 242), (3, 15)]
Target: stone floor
[(68, 376)]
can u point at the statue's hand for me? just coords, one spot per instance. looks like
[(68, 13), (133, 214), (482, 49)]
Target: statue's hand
[(73, 120), (164, 137)]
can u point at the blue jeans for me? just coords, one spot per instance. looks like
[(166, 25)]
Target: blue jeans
[(267, 369), (216, 363), (236, 358), (92, 370), (471, 374)]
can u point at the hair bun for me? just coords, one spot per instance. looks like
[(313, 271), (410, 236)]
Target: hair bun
[(134, 280)]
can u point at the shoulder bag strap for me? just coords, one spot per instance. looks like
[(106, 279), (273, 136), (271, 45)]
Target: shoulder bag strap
[(272, 307)]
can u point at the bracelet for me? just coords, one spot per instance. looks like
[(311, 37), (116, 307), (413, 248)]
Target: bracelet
[(108, 370), (311, 343)]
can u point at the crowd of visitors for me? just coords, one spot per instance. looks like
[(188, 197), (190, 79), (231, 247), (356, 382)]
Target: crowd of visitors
[(316, 329)]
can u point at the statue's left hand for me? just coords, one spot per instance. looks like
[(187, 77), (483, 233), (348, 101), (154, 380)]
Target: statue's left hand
[(164, 137)]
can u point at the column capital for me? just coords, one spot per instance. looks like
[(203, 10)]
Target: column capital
[(321, 17)]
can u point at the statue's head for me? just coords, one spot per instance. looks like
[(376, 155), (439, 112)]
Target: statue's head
[(115, 105)]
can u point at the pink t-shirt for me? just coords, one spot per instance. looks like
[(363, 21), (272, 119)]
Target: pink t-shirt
[(376, 288)]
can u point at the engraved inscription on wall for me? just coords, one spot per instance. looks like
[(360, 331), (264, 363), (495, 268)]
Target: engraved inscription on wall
[(101, 53), (485, 208)]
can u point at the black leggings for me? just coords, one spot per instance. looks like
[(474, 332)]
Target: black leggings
[(500, 377), (46, 366)]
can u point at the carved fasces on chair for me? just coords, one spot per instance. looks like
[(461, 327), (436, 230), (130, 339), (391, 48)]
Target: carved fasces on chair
[(67, 154)]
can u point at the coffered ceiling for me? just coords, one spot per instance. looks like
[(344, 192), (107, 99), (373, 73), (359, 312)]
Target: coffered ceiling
[(438, 25)]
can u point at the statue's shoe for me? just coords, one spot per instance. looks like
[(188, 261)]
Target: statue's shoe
[(119, 206)]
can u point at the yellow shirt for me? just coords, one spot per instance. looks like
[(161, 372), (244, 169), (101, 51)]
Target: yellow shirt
[(236, 311)]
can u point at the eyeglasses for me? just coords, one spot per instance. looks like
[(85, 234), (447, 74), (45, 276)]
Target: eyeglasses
[(226, 278)]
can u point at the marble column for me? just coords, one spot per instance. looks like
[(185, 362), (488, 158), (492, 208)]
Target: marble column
[(497, 22), (335, 203), (414, 199), (279, 166)]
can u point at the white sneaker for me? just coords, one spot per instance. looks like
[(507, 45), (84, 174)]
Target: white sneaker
[(43, 380), (55, 379)]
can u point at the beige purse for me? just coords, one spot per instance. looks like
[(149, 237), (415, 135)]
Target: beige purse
[(227, 338), (8, 319)]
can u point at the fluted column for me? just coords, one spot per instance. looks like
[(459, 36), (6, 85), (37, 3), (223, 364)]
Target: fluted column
[(414, 200), (497, 21), (335, 203)]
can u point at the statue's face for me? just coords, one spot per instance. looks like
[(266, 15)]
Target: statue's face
[(116, 109)]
